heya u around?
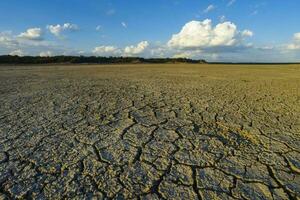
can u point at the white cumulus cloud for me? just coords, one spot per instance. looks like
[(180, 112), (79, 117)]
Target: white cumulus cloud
[(32, 34), (247, 33), (30, 42), (7, 40), (138, 49), (46, 54), (17, 52), (182, 55), (116, 51), (107, 51), (58, 29), (295, 45), (202, 34), (297, 37)]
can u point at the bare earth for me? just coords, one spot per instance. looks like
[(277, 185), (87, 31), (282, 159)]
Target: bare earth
[(150, 132)]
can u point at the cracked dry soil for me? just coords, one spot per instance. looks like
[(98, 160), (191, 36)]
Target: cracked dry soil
[(150, 132)]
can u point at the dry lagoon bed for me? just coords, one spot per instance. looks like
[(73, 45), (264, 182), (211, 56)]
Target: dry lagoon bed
[(173, 131)]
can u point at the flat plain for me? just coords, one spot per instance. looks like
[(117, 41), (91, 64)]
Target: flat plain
[(171, 131)]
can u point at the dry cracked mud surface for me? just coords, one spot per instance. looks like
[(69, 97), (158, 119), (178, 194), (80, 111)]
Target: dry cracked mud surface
[(150, 132)]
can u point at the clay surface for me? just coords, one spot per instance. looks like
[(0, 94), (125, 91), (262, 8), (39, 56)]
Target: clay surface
[(173, 131)]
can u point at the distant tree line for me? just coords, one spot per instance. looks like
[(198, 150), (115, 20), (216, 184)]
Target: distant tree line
[(7, 59)]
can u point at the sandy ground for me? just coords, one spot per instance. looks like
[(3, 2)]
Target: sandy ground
[(150, 132)]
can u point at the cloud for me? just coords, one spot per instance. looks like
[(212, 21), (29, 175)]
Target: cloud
[(255, 12), (46, 54), (295, 45), (7, 40), (32, 34), (98, 28), (138, 49), (231, 2), (266, 48), (222, 18), (209, 8), (58, 29), (107, 51), (160, 51), (116, 51), (297, 37), (16, 45), (182, 55), (247, 33), (81, 52), (124, 24), (17, 52), (244, 53), (31, 37), (202, 35), (195, 54), (110, 12)]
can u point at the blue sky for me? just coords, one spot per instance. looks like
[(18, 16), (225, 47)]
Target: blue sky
[(216, 30)]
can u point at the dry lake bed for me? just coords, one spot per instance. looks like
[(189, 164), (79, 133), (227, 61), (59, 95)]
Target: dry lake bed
[(178, 131)]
